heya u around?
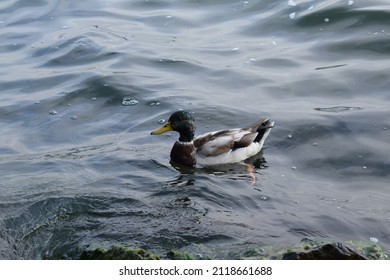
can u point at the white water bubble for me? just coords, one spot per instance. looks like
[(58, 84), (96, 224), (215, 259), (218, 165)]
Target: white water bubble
[(364, 167), (53, 112), (289, 136), (315, 144), (292, 15), (292, 3), (251, 60), (129, 101), (374, 239), (93, 99), (161, 121), (294, 168), (168, 16), (65, 27), (73, 117), (37, 102), (350, 3), (235, 49), (326, 19), (264, 198)]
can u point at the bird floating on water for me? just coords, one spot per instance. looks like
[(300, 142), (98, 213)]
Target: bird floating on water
[(217, 147)]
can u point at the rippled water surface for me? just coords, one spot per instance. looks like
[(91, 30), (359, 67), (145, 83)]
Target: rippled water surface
[(79, 169)]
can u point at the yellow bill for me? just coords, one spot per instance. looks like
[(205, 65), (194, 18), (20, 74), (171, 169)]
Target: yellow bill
[(165, 128)]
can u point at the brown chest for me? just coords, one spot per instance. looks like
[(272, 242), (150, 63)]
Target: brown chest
[(183, 153)]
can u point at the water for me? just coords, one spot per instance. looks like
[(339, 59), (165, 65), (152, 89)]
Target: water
[(80, 170)]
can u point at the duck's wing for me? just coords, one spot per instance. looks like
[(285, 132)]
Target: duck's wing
[(222, 141)]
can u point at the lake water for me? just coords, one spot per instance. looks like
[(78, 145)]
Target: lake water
[(80, 170)]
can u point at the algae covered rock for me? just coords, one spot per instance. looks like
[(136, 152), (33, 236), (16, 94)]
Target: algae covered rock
[(371, 250), (118, 253), (310, 249), (177, 255), (330, 251), (307, 249)]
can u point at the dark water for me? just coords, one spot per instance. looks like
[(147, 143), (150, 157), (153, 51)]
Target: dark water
[(80, 170)]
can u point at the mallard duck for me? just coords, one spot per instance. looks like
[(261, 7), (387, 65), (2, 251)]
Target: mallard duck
[(217, 147)]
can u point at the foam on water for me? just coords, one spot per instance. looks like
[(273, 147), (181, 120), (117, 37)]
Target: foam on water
[(129, 101)]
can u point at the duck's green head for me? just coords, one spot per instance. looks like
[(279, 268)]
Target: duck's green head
[(182, 122)]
